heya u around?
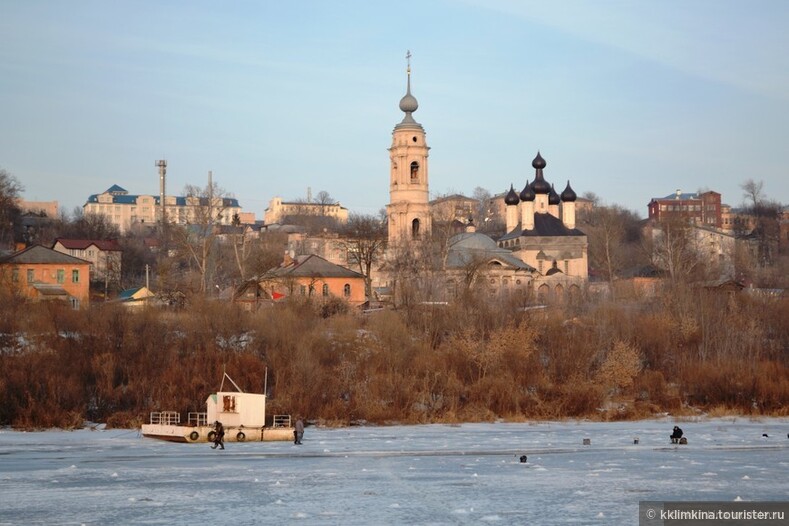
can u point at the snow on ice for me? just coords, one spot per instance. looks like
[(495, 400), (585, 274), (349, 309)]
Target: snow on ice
[(430, 474)]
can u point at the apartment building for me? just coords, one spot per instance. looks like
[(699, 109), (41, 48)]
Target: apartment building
[(126, 210)]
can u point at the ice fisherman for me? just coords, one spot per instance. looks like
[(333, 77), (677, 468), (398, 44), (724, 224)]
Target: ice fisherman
[(219, 435), (298, 431), (676, 435)]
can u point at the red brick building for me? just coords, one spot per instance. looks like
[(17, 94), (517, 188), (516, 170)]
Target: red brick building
[(703, 209)]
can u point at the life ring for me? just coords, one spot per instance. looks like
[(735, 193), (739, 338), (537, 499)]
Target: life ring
[(194, 435), (241, 436), (211, 436)]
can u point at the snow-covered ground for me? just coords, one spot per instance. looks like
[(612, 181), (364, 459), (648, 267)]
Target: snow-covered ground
[(433, 474)]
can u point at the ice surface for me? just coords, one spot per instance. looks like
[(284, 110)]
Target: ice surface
[(432, 474)]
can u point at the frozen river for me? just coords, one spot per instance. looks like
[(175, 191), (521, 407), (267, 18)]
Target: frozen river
[(432, 474)]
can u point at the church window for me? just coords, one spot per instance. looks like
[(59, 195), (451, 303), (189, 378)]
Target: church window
[(346, 290), (325, 289), (415, 229), (414, 172), (566, 267), (413, 138)]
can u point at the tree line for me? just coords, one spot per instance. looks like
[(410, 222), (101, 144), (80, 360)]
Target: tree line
[(684, 352)]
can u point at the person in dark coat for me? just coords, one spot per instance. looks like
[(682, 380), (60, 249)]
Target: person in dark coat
[(219, 435), (298, 431), (676, 435)]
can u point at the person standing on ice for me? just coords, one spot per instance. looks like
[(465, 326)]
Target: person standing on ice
[(219, 435), (298, 431)]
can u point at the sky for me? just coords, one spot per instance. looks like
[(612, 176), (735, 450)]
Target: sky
[(629, 100), (437, 475)]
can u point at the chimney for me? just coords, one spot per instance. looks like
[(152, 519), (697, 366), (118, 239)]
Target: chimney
[(287, 260)]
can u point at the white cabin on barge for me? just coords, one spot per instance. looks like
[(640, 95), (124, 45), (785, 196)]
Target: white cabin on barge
[(243, 416)]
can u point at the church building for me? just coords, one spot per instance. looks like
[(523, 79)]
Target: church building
[(408, 210), (540, 253), (541, 231)]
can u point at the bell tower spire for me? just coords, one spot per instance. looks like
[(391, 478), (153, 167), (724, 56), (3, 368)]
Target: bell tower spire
[(408, 209)]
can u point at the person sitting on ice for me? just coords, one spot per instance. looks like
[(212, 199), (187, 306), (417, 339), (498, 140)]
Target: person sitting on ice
[(219, 435), (676, 435)]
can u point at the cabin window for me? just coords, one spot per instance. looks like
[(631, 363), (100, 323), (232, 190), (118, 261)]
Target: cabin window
[(61, 275), (31, 275), (75, 276), (15, 275), (414, 172), (303, 290), (229, 404), (325, 290), (346, 290)]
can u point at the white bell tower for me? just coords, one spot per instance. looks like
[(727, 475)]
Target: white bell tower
[(408, 210)]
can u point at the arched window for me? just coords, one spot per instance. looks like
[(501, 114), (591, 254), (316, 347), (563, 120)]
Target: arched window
[(346, 290), (325, 289), (414, 172), (415, 229)]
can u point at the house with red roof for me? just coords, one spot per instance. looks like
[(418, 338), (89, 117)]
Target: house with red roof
[(104, 256)]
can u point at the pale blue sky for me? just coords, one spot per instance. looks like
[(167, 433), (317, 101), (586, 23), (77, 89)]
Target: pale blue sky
[(630, 100)]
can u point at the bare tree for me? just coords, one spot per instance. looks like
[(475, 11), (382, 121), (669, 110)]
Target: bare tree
[(752, 191), (10, 190), (197, 239), (674, 249), (613, 238), (364, 240), (89, 226)]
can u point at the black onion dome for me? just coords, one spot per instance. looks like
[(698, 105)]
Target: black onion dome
[(511, 198), (527, 194), (540, 185), (538, 162), (568, 195), (553, 197)]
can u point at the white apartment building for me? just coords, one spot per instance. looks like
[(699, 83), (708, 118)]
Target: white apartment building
[(125, 210)]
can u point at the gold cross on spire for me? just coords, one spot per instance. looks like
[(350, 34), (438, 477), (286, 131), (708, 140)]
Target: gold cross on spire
[(408, 59)]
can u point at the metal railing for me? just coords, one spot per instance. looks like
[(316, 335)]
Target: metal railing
[(166, 418), (281, 421), (198, 419)]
